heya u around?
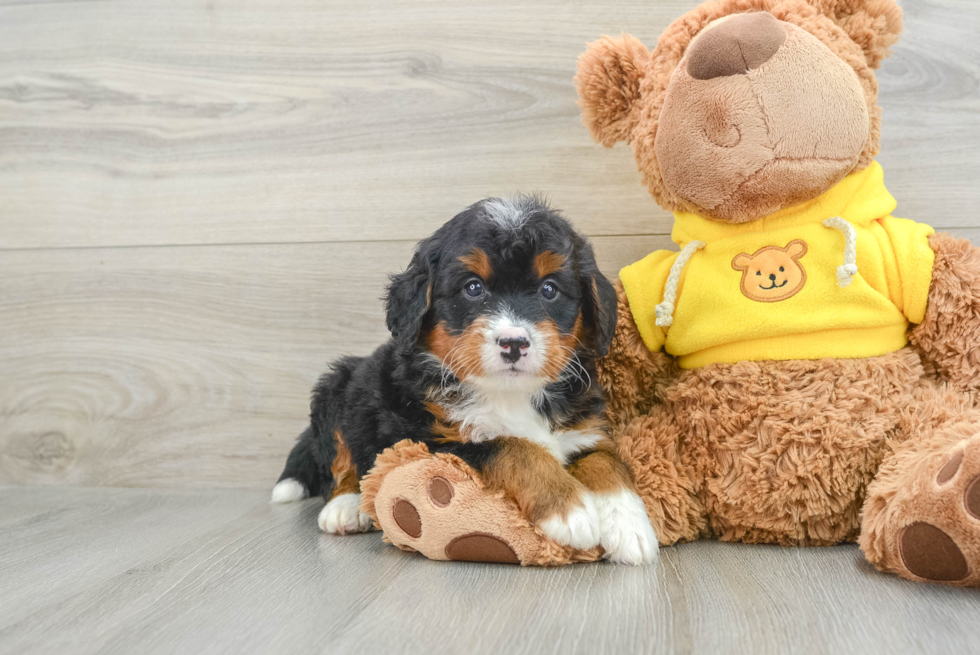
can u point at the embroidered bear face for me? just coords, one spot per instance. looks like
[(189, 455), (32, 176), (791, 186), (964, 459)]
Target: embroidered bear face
[(771, 274)]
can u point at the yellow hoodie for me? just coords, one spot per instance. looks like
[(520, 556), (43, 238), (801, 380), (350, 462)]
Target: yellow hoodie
[(835, 277)]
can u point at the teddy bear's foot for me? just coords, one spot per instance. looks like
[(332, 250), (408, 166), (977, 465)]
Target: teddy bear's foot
[(929, 529), (435, 504)]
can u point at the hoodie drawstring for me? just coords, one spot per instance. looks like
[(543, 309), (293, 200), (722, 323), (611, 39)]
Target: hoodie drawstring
[(665, 310), (847, 270)]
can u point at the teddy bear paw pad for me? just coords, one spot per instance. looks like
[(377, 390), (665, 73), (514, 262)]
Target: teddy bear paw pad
[(440, 491), (407, 518), (972, 499), (930, 553), (942, 542), (436, 507), (481, 547)]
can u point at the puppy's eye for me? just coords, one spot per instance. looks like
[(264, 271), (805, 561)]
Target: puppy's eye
[(473, 289), (781, 269), (758, 272), (549, 290)]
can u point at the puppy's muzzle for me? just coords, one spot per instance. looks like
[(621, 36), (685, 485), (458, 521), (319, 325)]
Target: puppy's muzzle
[(514, 344)]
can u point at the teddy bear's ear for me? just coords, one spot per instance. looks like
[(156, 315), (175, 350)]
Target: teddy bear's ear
[(875, 25), (608, 83)]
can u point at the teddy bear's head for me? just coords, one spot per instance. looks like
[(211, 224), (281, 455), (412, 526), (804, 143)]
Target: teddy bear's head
[(745, 106)]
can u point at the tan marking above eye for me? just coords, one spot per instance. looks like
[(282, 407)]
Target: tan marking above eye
[(478, 263), (548, 263)]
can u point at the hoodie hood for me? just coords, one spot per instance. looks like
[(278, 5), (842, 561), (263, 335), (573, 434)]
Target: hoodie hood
[(859, 199)]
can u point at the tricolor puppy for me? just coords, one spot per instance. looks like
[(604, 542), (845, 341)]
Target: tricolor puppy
[(495, 328)]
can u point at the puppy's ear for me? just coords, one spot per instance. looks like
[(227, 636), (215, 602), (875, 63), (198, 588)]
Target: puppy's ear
[(409, 295), (608, 83), (598, 299)]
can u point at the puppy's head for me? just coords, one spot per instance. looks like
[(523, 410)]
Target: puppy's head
[(504, 294)]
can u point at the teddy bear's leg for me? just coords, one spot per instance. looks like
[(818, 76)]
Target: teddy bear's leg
[(436, 504), (921, 516)]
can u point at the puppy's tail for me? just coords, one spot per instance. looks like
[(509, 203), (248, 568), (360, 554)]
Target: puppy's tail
[(302, 476)]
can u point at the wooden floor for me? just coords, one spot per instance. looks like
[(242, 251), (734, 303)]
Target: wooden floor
[(200, 203), (151, 571)]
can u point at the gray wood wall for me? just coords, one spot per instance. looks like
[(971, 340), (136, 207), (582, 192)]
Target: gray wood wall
[(200, 200)]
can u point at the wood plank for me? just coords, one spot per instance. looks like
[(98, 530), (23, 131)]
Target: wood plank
[(139, 578), (154, 122), (184, 366)]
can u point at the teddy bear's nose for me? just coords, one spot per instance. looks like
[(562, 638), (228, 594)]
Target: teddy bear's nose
[(772, 276), (739, 44)]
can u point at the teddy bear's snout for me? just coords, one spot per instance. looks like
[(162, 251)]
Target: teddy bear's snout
[(736, 46)]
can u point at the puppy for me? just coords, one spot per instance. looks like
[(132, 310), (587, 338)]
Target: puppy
[(495, 328)]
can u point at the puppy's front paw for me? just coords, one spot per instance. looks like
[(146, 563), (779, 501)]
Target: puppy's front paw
[(342, 515), (625, 531), (578, 527)]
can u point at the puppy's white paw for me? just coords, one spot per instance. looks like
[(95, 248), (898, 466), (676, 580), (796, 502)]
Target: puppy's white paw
[(343, 515), (288, 490), (625, 531), (578, 529)]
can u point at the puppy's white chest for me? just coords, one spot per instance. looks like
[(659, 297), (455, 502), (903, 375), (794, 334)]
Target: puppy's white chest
[(489, 416)]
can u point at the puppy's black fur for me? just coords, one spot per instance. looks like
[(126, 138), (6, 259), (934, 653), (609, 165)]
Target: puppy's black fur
[(485, 263)]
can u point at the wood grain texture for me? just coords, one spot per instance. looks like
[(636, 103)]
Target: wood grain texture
[(185, 366), (141, 122), (156, 571)]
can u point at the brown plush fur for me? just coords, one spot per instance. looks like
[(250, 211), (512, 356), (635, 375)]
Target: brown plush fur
[(608, 78), (634, 377), (948, 335)]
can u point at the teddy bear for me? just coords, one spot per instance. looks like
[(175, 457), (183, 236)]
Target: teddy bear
[(804, 370)]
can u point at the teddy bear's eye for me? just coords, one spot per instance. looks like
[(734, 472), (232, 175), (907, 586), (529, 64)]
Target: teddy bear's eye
[(780, 269), (758, 272)]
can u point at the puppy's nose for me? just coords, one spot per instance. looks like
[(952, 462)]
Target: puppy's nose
[(772, 276), (740, 44), (512, 342)]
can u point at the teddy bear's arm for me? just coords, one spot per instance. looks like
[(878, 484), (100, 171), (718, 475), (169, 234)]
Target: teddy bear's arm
[(630, 373), (949, 334)]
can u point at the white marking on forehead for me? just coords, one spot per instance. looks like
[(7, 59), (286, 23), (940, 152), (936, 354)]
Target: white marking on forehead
[(508, 212)]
